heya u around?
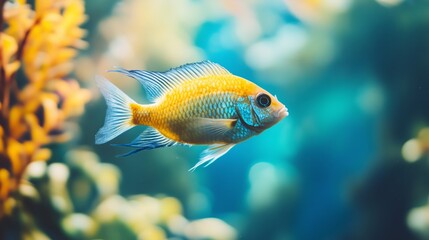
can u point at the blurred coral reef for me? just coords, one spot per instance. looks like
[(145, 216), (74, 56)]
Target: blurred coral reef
[(417, 149), (81, 198), (38, 98)]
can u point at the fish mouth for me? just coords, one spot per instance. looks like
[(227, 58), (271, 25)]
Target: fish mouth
[(282, 113)]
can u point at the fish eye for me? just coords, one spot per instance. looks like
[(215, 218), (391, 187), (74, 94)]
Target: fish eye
[(263, 100)]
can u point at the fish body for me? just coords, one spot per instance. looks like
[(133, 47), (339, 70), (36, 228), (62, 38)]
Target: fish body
[(179, 113), (199, 103)]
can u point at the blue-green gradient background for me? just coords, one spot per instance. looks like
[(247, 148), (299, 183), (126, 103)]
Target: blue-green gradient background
[(356, 84)]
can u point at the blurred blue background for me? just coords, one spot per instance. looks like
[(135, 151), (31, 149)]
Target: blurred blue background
[(354, 76)]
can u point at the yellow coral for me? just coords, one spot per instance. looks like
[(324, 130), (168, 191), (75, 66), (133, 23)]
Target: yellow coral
[(9, 48), (42, 42)]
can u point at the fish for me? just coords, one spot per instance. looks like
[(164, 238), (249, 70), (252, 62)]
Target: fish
[(198, 103)]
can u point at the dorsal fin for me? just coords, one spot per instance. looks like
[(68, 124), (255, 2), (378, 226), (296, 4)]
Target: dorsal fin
[(157, 83)]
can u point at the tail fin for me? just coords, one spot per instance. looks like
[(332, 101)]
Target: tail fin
[(118, 115)]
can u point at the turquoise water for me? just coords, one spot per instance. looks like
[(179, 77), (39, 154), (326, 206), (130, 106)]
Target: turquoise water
[(356, 87), (349, 162)]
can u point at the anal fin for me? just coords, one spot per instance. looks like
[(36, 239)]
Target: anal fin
[(148, 139)]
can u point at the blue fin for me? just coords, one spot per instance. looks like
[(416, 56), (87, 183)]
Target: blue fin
[(118, 115), (157, 83), (148, 139), (212, 153)]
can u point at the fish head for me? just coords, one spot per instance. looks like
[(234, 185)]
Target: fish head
[(260, 110)]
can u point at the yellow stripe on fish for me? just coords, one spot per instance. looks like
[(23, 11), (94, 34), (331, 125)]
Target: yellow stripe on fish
[(198, 103)]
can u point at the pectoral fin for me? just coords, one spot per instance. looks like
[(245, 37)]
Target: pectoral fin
[(214, 128), (212, 153)]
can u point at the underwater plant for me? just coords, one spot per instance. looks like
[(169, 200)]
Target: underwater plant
[(37, 97)]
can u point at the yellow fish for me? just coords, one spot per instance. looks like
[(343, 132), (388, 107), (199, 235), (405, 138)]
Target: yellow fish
[(198, 103)]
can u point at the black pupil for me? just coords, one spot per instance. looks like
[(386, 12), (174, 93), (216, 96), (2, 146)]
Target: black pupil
[(264, 100)]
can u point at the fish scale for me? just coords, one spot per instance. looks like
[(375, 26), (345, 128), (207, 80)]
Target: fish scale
[(185, 101)]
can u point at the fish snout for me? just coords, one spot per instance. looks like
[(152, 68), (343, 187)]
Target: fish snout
[(283, 112)]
